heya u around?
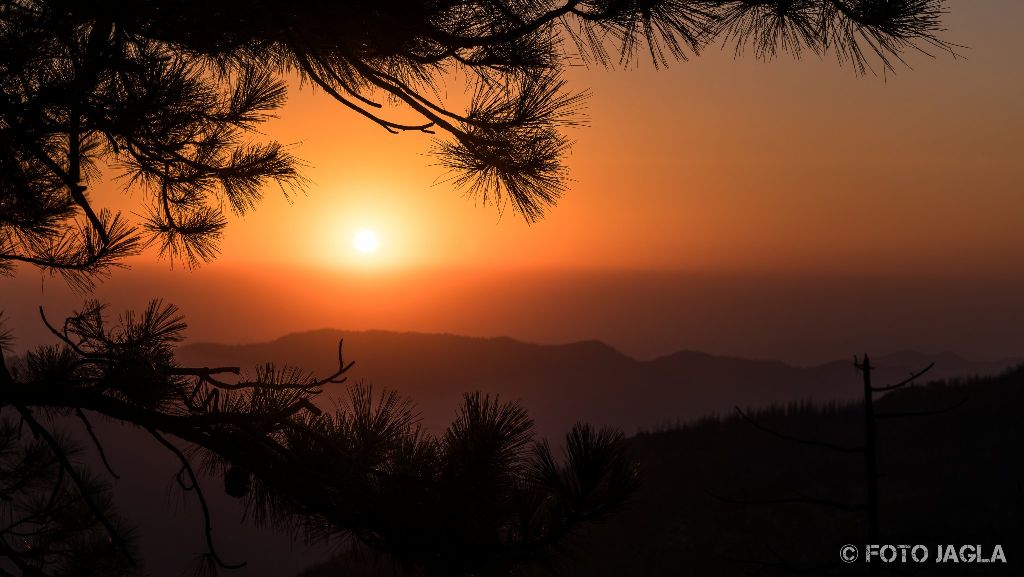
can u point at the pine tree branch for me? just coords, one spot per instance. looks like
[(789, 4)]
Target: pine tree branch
[(40, 431), (96, 442), (207, 521), (392, 127)]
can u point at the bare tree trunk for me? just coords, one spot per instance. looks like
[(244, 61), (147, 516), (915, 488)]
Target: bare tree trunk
[(870, 459)]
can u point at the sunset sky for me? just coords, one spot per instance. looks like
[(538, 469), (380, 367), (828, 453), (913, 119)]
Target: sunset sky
[(716, 205)]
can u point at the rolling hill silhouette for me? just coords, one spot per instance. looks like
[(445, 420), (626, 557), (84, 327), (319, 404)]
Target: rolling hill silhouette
[(561, 384)]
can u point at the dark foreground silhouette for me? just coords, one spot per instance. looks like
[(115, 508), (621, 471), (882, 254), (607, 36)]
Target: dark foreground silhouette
[(951, 475), (483, 497), (720, 497)]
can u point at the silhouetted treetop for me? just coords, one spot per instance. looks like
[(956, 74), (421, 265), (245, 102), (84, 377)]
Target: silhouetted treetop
[(170, 94)]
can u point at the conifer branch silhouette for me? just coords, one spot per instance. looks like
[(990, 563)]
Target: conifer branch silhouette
[(171, 95), (483, 496)]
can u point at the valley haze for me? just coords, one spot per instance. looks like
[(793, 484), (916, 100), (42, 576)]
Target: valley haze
[(801, 318), (587, 381)]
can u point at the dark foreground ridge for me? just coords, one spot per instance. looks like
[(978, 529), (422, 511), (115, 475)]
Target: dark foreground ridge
[(720, 497)]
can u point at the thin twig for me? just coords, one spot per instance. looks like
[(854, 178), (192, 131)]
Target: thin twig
[(187, 467), (913, 377), (64, 337), (785, 437), (96, 442), (799, 500), (901, 415)]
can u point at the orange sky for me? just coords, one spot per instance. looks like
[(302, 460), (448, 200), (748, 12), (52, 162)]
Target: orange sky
[(714, 164), (717, 166)]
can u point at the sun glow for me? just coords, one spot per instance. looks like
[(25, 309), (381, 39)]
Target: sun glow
[(366, 241)]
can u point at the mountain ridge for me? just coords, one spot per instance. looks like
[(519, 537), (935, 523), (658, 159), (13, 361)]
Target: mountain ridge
[(581, 380), (902, 355)]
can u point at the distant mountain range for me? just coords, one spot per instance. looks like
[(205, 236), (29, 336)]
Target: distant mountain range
[(560, 384)]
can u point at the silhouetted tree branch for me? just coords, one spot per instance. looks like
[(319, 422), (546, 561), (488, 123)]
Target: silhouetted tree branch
[(96, 442), (483, 497), (170, 95), (913, 377), (67, 467), (55, 519), (907, 414), (193, 485), (785, 437)]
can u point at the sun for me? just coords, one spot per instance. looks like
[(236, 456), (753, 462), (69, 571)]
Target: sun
[(366, 241)]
